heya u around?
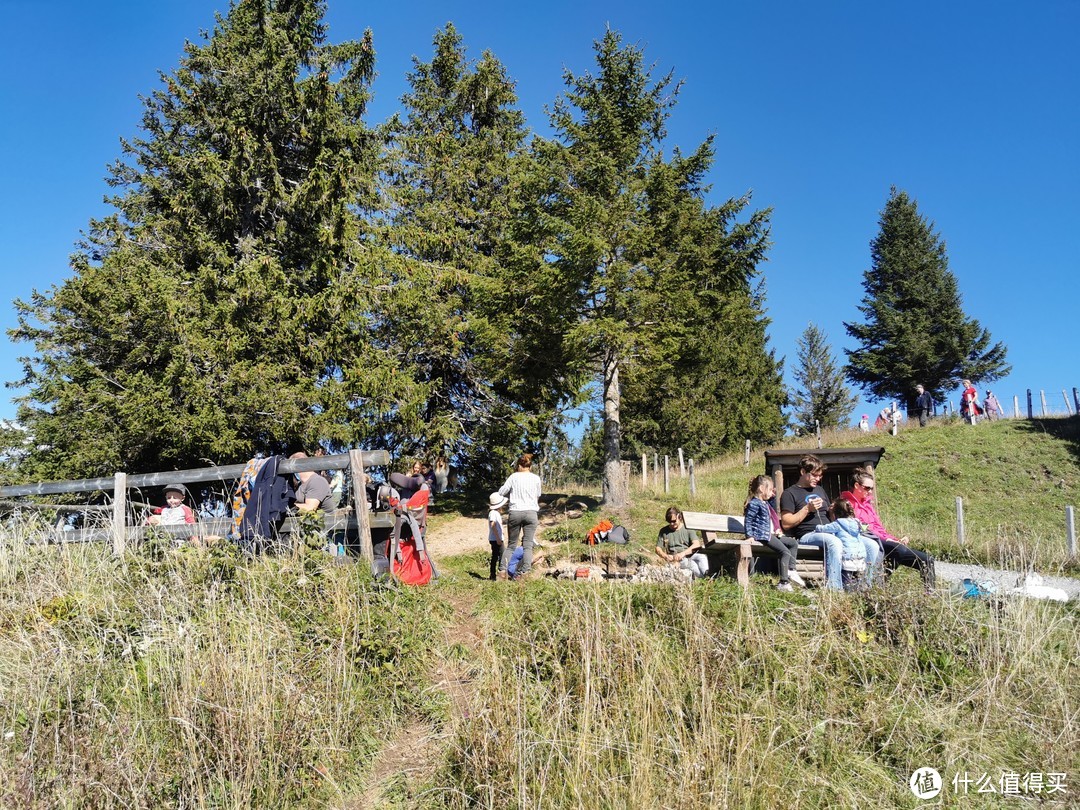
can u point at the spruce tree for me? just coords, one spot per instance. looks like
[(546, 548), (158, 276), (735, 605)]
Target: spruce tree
[(915, 329), (223, 308), (455, 177), (631, 242), (821, 397)]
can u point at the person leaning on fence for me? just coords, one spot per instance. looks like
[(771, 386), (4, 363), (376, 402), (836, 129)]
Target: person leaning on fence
[(896, 549), (762, 523), (677, 544), (175, 512), (314, 492)]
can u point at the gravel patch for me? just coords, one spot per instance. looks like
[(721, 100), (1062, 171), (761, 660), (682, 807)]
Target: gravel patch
[(1005, 581)]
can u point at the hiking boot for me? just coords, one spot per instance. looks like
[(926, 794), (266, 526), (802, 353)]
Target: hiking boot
[(785, 587), (502, 576), (794, 577)]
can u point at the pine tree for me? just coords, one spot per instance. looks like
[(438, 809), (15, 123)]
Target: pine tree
[(455, 177), (224, 307), (915, 330), (634, 251), (821, 398)]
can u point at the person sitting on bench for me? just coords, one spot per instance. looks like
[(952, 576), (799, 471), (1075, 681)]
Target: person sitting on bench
[(763, 524), (896, 549)]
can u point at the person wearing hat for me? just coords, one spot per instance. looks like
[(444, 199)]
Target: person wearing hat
[(496, 534), (175, 512), (864, 424)]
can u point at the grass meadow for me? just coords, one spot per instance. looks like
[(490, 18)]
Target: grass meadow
[(197, 678)]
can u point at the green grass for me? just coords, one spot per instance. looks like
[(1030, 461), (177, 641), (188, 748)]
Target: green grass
[(197, 678)]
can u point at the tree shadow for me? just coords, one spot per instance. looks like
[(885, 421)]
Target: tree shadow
[(1067, 429)]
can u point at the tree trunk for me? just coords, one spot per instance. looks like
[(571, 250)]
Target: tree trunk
[(616, 489)]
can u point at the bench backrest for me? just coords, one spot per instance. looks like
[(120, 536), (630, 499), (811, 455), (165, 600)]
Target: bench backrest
[(709, 522)]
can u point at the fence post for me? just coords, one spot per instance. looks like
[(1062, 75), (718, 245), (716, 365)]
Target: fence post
[(119, 527), (960, 520), (360, 503), (1042, 396), (682, 465), (655, 468), (817, 432), (644, 471), (667, 476), (746, 454), (1016, 406), (1076, 400), (1031, 413), (1070, 531), (693, 481), (1068, 405)]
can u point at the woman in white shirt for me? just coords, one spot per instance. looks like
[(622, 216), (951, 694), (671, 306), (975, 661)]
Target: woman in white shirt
[(523, 489)]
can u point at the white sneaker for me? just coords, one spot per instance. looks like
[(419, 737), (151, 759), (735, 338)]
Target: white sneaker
[(798, 580), (785, 586)]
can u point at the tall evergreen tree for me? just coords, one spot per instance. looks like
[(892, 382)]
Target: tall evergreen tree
[(915, 330), (631, 241), (821, 398), (456, 182), (223, 308)]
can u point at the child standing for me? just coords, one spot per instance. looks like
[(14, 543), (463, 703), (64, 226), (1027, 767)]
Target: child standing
[(847, 528), (496, 533), (763, 524)]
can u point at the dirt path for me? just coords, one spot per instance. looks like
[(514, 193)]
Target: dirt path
[(413, 753)]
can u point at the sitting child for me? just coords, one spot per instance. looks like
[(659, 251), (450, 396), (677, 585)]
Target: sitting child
[(847, 528), (763, 524), (677, 544), (176, 513)]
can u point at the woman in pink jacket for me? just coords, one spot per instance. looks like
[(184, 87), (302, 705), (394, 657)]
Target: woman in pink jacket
[(896, 549)]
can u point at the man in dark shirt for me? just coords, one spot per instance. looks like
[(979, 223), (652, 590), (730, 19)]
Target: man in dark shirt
[(924, 404), (803, 507)]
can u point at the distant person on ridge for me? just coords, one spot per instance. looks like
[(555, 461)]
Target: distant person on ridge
[(924, 404), (969, 403)]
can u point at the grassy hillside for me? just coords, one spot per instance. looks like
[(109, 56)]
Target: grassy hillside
[(195, 678), (1015, 478)]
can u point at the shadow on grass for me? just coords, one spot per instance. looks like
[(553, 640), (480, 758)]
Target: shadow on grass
[(1067, 429)]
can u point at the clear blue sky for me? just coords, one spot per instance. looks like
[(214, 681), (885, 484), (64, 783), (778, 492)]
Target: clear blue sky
[(817, 108)]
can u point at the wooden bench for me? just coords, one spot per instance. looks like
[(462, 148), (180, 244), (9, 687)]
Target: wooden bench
[(723, 533)]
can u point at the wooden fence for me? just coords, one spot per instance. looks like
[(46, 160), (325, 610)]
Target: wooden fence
[(358, 520)]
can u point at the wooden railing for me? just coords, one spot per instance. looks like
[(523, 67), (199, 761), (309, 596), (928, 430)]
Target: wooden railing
[(360, 519)]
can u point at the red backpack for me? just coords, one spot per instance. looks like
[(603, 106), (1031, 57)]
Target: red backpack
[(409, 560)]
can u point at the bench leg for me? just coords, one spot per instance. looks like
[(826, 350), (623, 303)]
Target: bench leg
[(742, 572)]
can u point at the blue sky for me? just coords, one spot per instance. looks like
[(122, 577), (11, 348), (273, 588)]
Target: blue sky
[(817, 109)]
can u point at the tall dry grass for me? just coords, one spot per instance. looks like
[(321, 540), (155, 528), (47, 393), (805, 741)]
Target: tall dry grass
[(653, 696), (192, 678)]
